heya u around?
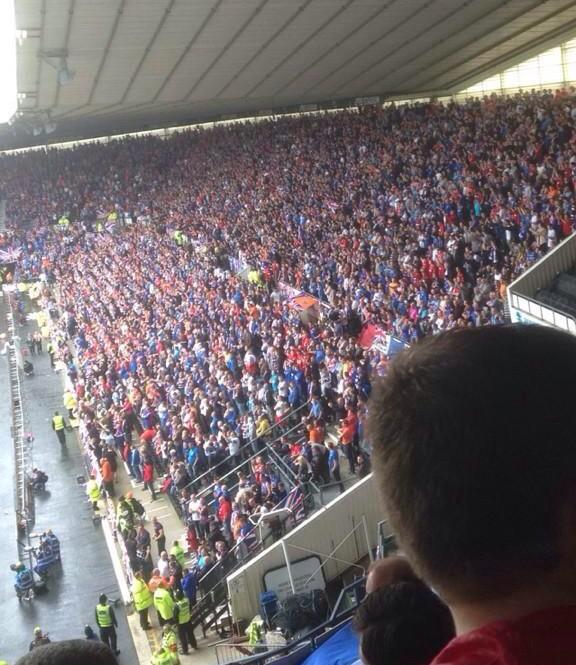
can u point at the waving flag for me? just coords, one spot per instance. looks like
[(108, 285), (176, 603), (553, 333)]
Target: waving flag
[(10, 255), (295, 501)]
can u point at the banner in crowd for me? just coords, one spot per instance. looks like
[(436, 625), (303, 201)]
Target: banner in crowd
[(287, 292)]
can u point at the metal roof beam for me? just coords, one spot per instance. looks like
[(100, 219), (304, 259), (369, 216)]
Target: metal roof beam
[(147, 50), (300, 46), (338, 44), (71, 9), (370, 44), (266, 44), (227, 46), (185, 52), (119, 13)]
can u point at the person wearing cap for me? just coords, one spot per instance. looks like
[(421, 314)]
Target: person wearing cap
[(106, 621), (39, 639), (164, 603)]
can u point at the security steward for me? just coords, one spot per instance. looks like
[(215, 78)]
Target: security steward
[(52, 353), (143, 599), (169, 640), (69, 401), (183, 617), (135, 506), (164, 604), (124, 516), (106, 620), (164, 656), (93, 491), (59, 426)]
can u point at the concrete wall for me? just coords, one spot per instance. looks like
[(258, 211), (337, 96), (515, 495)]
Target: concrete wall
[(320, 534)]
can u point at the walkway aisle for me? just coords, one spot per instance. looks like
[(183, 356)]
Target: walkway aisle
[(86, 569), (174, 529)]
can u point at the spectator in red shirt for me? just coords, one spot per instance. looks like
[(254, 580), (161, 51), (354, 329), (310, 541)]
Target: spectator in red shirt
[(473, 446), (148, 476), (224, 514)]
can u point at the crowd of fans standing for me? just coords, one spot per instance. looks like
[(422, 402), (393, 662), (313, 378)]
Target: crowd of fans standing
[(413, 219)]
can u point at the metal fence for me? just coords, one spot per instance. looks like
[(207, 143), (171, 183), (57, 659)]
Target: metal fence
[(23, 498)]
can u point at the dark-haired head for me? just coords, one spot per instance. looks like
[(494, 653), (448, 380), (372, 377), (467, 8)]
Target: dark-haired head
[(473, 437), (403, 623)]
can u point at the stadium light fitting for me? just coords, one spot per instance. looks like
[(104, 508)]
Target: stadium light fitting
[(8, 92), (64, 74), (58, 60)]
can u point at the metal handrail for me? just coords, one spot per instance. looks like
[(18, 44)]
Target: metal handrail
[(351, 480), (260, 545), (249, 443), (24, 502), (282, 462), (337, 617), (268, 449)]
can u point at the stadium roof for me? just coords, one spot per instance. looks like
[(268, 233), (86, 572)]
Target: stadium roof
[(98, 67)]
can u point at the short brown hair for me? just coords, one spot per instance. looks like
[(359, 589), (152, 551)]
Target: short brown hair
[(473, 434), (70, 652), (404, 623)]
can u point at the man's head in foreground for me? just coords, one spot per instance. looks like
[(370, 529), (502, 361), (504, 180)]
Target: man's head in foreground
[(402, 623), (70, 652), (475, 457)]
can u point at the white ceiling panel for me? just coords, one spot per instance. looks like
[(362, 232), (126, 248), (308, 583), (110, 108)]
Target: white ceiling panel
[(142, 63)]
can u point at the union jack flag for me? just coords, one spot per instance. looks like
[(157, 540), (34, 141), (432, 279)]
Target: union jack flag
[(251, 540), (295, 501), (10, 255)]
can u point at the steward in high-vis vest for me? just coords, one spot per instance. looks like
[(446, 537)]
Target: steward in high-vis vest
[(69, 400), (52, 353), (106, 620), (178, 552), (164, 657), (164, 605), (169, 640), (59, 426), (124, 517), (93, 491), (185, 630), (143, 599)]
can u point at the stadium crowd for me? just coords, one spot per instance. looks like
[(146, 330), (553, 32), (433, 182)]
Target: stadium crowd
[(412, 218)]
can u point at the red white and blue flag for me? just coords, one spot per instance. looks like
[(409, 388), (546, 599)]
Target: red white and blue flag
[(10, 255)]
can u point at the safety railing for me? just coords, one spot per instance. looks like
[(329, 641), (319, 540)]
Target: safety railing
[(199, 480), (327, 488), (23, 498), (346, 604), (212, 585)]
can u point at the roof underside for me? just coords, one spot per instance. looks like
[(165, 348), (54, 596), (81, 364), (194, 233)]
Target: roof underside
[(140, 64)]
